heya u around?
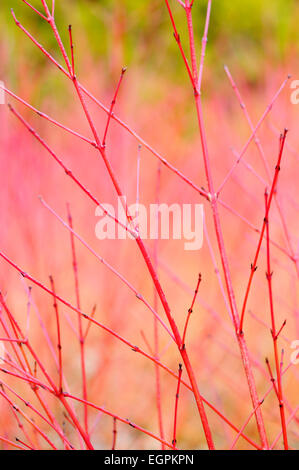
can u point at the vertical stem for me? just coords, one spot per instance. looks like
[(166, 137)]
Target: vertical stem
[(188, 10), (274, 332), (174, 440), (266, 166), (254, 264), (220, 240), (58, 334), (178, 339), (123, 70), (61, 397), (114, 432), (190, 311), (144, 253), (80, 328), (156, 331)]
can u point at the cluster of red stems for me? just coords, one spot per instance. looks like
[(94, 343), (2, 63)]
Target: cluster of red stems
[(17, 362)]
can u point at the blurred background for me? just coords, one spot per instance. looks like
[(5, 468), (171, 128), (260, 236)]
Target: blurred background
[(245, 33), (259, 41)]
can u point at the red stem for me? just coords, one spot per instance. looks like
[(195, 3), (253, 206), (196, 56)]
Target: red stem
[(16, 328), (254, 264), (221, 246), (274, 333), (174, 440), (106, 110), (58, 335), (123, 340), (204, 45), (244, 425), (156, 331), (28, 405), (68, 171), (80, 328), (119, 418), (190, 311), (25, 445), (36, 427), (145, 255), (152, 271), (178, 40), (253, 135), (113, 270), (114, 432), (35, 10), (11, 443), (89, 324), (113, 102), (72, 49), (262, 155), (20, 425)]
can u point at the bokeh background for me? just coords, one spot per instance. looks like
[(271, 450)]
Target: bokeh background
[(259, 41), (245, 33)]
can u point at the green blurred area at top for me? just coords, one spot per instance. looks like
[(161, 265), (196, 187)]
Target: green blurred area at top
[(135, 33)]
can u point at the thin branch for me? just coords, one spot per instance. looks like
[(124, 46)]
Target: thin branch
[(143, 335), (122, 420), (280, 330), (178, 40), (30, 421), (18, 332), (190, 311), (89, 324), (46, 117), (72, 49), (174, 440), (156, 306), (28, 312), (272, 377), (123, 340), (266, 166), (116, 118), (253, 135), (114, 433), (113, 102), (220, 241), (11, 443), (59, 347), (68, 171), (138, 187), (254, 263), (105, 263), (80, 327), (19, 422), (244, 425), (204, 45), (38, 413), (292, 416), (23, 443), (188, 10), (36, 11), (274, 333), (46, 8)]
